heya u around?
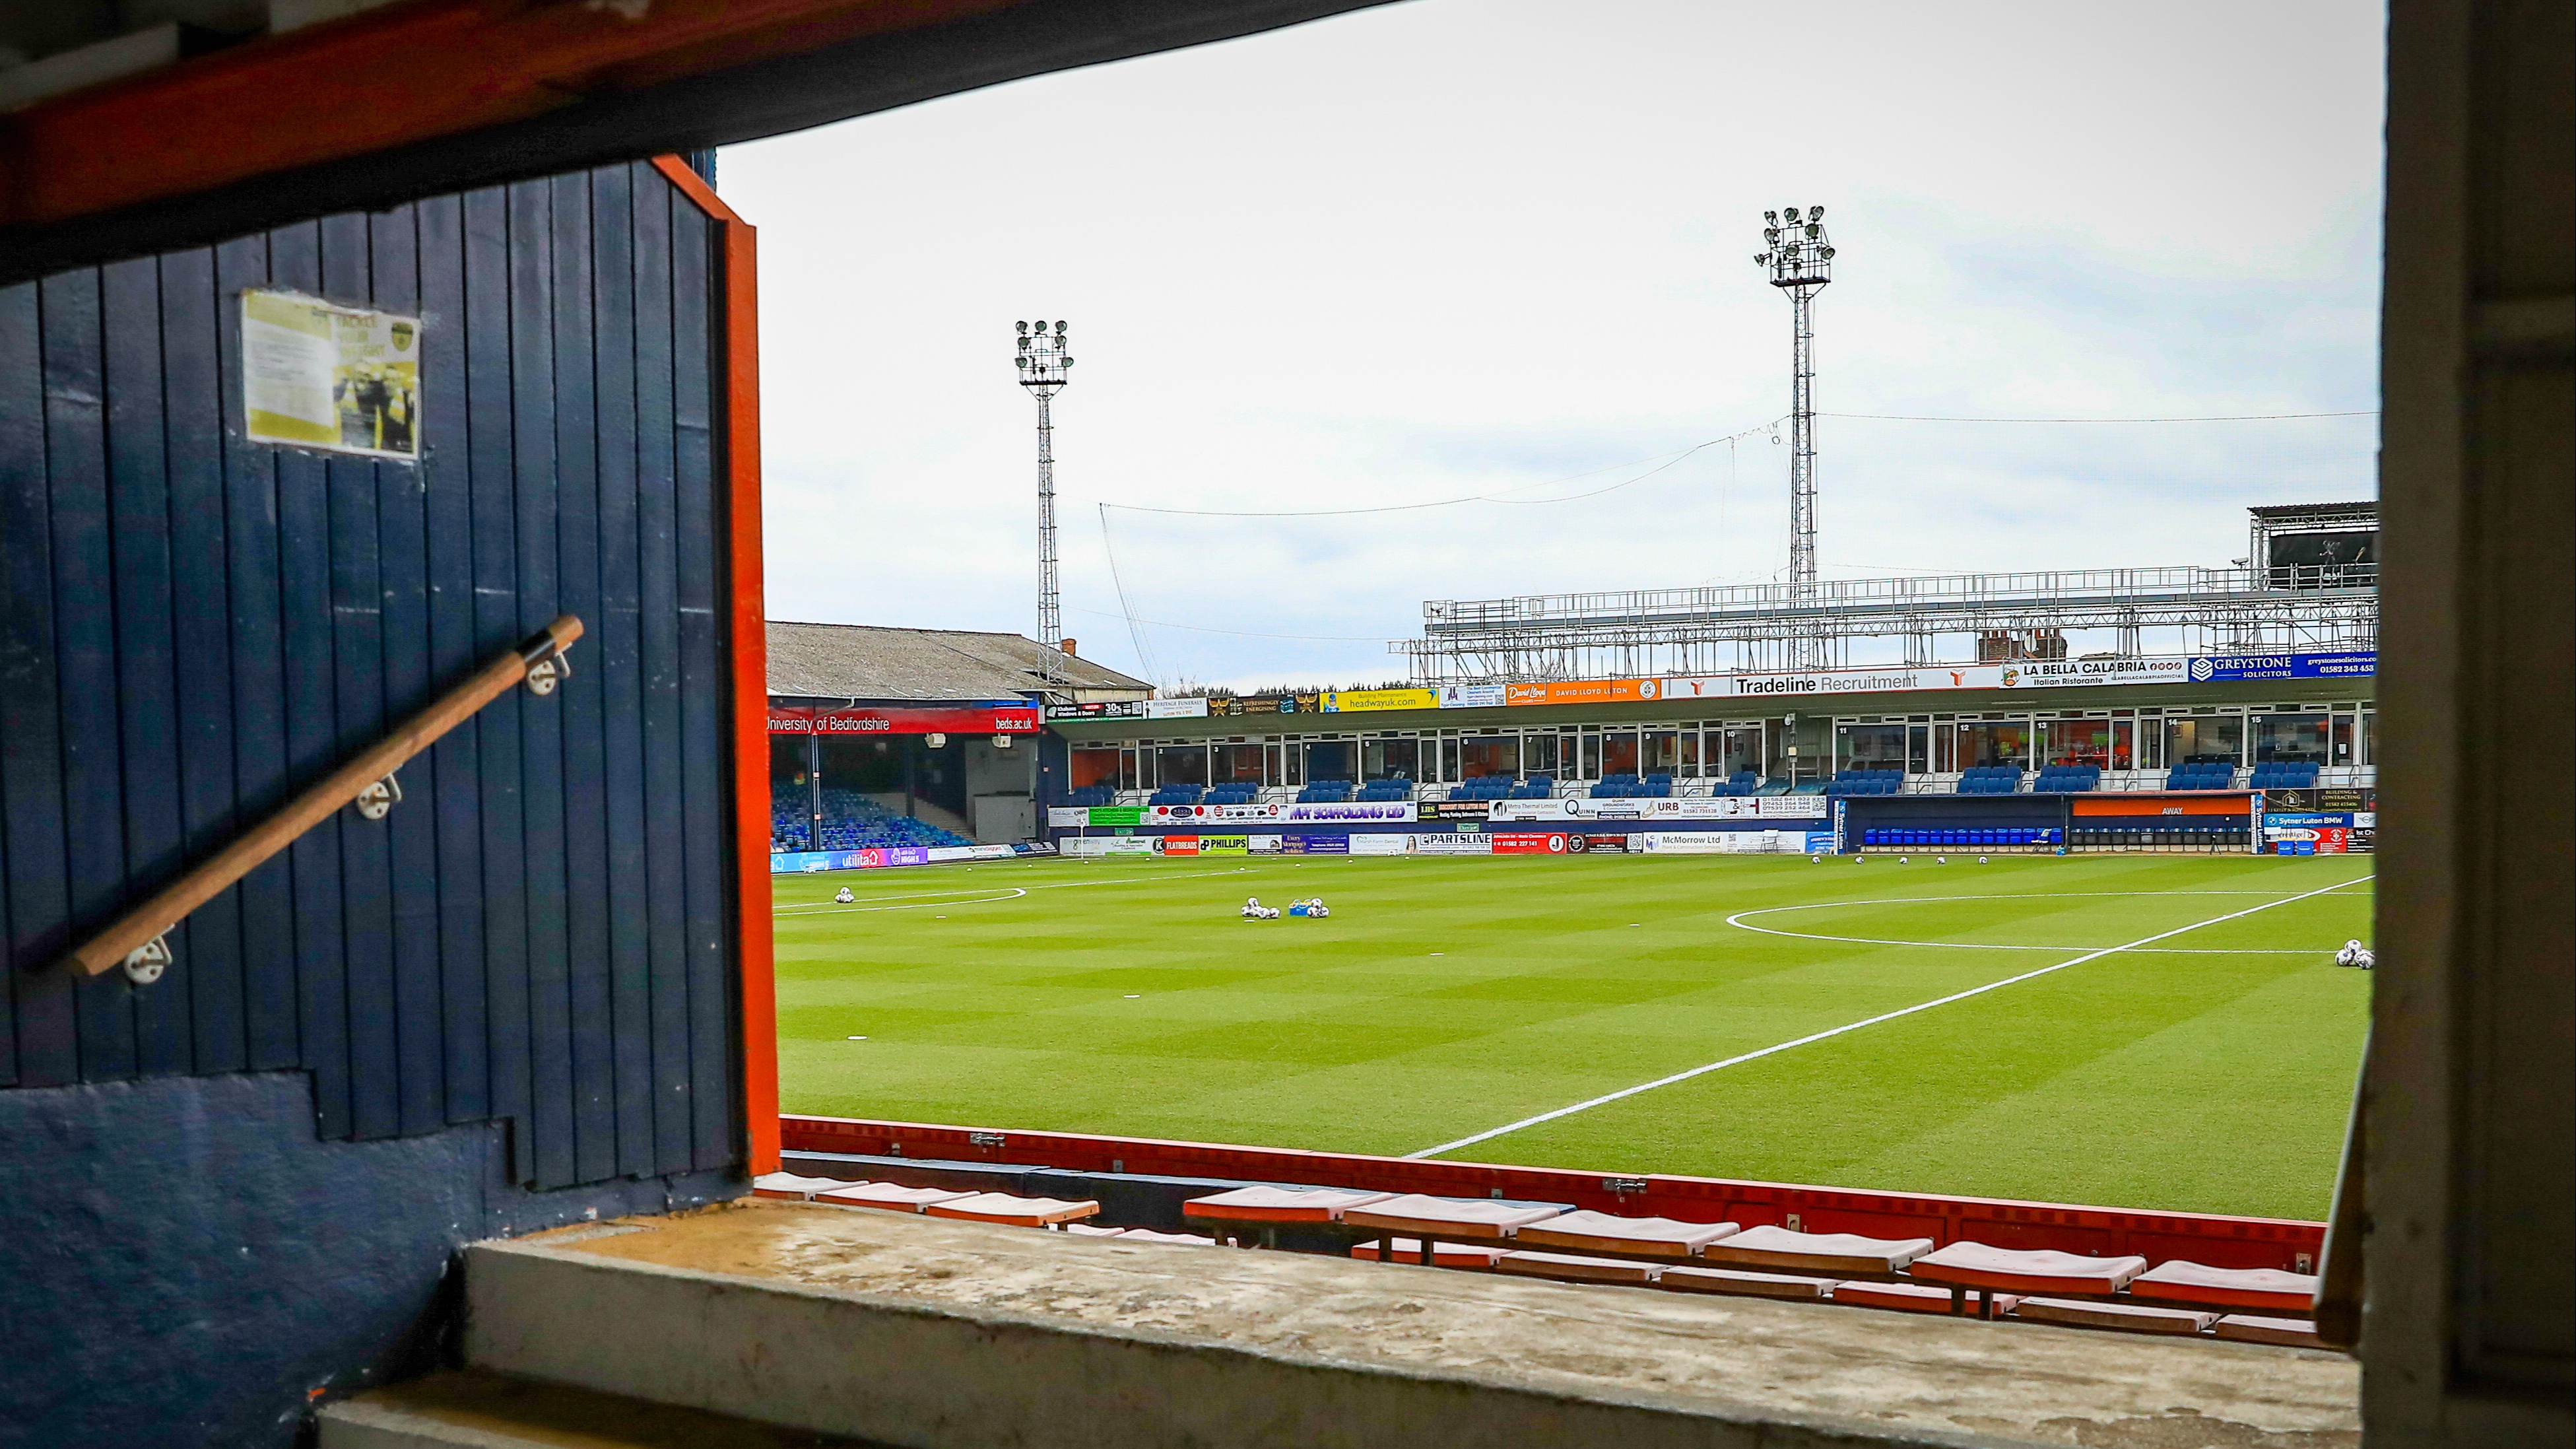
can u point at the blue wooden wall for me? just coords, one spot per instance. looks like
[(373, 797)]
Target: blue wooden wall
[(193, 626)]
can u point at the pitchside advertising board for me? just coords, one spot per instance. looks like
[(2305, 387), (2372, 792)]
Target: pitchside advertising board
[(1693, 807), (802, 862)]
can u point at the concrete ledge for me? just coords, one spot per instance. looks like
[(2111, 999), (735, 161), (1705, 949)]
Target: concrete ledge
[(478, 1410), (934, 1334)]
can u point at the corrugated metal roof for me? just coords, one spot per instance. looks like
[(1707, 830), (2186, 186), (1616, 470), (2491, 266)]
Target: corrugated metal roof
[(864, 661)]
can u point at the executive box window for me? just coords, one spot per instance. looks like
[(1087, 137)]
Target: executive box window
[(1181, 764), (1690, 752), (1984, 743), (2087, 742), (1390, 759), (1086, 767), (2204, 739), (1329, 760), (1235, 764), (1539, 754), (2293, 739), (1869, 747), (1619, 753), (1660, 753), (2365, 752), (1482, 755), (1735, 749), (1591, 758)]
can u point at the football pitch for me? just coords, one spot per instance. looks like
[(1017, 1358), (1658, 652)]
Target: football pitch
[(2139, 1031)]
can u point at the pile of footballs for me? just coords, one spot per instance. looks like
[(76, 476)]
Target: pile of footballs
[(1254, 910)]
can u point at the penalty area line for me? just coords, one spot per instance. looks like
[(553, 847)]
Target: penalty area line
[(1700, 1071)]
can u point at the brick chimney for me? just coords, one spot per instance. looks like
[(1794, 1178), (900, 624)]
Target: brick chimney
[(1068, 646)]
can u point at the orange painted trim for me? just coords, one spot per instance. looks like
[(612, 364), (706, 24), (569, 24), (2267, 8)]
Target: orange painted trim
[(747, 623), (391, 77)]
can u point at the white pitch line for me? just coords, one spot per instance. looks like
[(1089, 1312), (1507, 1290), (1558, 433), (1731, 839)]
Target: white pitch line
[(1739, 921), (1684, 1076)]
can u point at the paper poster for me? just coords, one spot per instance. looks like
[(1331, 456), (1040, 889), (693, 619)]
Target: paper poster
[(319, 376)]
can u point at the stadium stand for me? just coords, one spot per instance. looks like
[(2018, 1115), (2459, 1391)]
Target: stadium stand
[(2283, 777), (1325, 792), (1742, 782), (1867, 782), (1990, 780), (1237, 793), (1012, 1210), (2069, 780), (1536, 787), (852, 821), (1633, 787), (1177, 795), (1997, 838), (1389, 792), (1090, 795), (2208, 775)]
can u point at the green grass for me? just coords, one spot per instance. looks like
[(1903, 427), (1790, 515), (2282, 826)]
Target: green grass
[(2207, 1072)]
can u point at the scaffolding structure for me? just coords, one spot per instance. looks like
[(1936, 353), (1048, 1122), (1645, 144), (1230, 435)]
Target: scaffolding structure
[(1637, 633)]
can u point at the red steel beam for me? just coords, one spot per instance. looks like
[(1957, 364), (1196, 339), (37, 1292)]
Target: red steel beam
[(748, 634), (2215, 1239), (406, 73)]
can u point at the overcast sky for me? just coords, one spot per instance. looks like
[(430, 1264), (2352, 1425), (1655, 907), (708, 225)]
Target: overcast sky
[(1491, 248)]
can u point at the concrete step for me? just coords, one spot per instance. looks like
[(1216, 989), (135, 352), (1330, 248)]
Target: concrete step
[(936, 1334), (478, 1409)]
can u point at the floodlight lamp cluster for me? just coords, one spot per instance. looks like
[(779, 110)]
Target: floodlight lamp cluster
[(1042, 359), (1798, 252)]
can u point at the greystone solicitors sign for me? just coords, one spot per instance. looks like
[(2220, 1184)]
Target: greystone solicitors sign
[(2352, 664)]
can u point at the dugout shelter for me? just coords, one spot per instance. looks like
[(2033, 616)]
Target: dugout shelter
[(534, 990)]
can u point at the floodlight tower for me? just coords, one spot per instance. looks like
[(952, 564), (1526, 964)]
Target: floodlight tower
[(1800, 260), (1043, 364)]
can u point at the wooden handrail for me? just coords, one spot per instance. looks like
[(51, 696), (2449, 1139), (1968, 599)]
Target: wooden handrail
[(537, 662)]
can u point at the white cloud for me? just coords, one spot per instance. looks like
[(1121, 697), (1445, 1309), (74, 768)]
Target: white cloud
[(1468, 246)]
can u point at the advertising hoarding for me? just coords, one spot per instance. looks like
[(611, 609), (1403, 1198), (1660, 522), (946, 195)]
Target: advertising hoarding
[(1679, 807), (1471, 696), (2350, 664), (1597, 844), (1176, 709), (1375, 843), (1584, 691), (1359, 701), (1337, 844), (1225, 845), (1451, 842), (1002, 719), (1525, 842)]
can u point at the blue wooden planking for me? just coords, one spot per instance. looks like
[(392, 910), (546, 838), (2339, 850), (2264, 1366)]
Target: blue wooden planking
[(146, 696), (658, 641), (195, 626), (85, 652), (45, 1047), (533, 378), (312, 731), (585, 818), (491, 346), (209, 942), (411, 832), (447, 523), (358, 697), (620, 664), (704, 690), (272, 1006)]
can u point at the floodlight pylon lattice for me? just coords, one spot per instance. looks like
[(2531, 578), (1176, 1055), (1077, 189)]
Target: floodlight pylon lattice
[(1043, 364), (1799, 258)]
